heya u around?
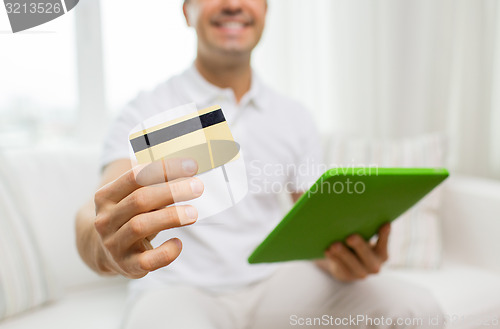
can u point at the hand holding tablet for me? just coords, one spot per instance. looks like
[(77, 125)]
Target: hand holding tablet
[(345, 201)]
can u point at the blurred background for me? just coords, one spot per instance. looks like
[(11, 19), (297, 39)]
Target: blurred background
[(373, 69)]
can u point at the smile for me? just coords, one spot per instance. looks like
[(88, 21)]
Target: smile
[(232, 25)]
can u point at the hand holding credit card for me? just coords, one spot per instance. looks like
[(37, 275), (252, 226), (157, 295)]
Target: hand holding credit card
[(204, 135)]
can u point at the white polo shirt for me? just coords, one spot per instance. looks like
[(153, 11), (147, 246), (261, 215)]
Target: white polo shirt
[(281, 147)]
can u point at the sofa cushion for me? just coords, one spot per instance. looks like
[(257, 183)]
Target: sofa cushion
[(51, 184), (415, 240), (100, 306), (25, 281), (470, 214), (468, 295)]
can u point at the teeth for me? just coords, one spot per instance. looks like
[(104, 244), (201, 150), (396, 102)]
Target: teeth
[(232, 25)]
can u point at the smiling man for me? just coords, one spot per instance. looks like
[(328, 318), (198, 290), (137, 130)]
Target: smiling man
[(128, 228)]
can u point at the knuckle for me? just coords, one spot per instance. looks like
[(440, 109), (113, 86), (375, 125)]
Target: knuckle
[(172, 213), (100, 196), (151, 262), (164, 256), (101, 223), (136, 226), (177, 188), (131, 178), (138, 200), (145, 264), (109, 245)]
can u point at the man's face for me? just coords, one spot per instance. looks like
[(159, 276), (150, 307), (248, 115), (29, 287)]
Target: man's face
[(227, 26)]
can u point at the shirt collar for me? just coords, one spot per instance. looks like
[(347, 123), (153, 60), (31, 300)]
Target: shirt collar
[(202, 92)]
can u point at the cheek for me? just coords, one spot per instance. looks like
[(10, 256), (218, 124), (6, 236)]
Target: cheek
[(260, 17), (201, 14), (203, 26)]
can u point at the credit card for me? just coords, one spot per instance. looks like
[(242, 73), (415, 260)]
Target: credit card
[(203, 135)]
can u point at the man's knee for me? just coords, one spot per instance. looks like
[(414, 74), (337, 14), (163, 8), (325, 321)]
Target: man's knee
[(405, 306), (383, 302), (181, 307)]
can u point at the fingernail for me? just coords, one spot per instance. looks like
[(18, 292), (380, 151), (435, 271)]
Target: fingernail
[(196, 186), (191, 215), (189, 166), (178, 243), (336, 247), (352, 239)]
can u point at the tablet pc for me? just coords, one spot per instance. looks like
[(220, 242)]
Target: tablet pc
[(344, 201)]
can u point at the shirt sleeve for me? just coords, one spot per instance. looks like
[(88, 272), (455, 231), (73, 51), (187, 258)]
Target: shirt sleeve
[(116, 143), (309, 160)]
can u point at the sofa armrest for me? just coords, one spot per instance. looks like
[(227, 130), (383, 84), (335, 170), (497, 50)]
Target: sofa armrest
[(471, 221)]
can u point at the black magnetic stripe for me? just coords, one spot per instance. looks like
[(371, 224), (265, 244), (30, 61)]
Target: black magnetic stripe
[(176, 130)]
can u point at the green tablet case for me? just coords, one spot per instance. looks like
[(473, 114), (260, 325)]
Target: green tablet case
[(344, 201)]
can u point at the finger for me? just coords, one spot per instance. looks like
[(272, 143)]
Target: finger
[(151, 260), (155, 197), (151, 237), (349, 259), (382, 242), (145, 175), (365, 253), (337, 268), (165, 170), (149, 224)]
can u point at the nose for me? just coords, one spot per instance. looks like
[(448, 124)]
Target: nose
[(232, 5)]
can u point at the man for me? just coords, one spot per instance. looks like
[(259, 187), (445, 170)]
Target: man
[(128, 228)]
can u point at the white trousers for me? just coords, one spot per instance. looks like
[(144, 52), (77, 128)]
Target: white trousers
[(297, 295)]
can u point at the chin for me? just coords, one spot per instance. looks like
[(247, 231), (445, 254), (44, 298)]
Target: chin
[(234, 49)]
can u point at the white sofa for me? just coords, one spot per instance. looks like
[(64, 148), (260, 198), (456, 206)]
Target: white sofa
[(53, 183)]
